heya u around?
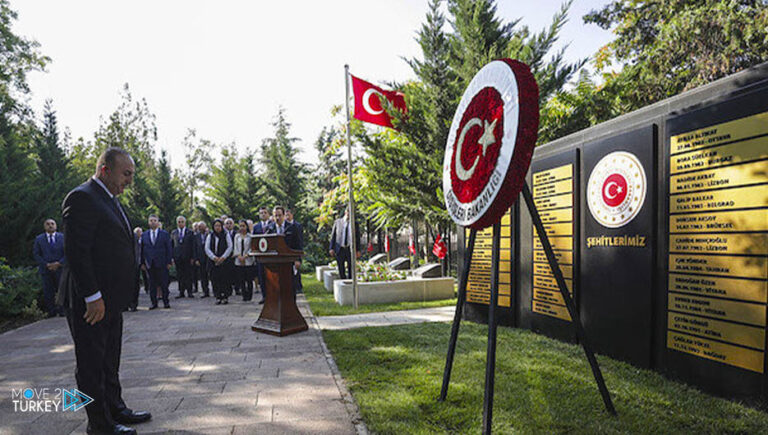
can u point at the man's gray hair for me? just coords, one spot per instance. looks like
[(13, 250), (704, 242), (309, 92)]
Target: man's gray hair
[(181, 217)]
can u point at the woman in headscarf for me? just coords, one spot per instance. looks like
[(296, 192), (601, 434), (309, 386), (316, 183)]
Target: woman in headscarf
[(218, 247), (245, 270)]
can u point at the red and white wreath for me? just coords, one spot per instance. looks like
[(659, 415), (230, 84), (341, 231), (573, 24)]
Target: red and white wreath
[(490, 143)]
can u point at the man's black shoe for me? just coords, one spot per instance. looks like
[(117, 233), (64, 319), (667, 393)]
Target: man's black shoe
[(153, 307), (180, 296), (261, 302), (166, 306), (190, 296), (116, 429), (128, 416)]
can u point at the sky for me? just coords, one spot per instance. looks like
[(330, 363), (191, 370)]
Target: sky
[(225, 67)]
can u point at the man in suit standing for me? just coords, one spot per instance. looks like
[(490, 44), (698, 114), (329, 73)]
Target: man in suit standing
[(48, 251), (97, 285), (297, 285), (195, 268), (183, 252), (158, 256), (341, 237), (201, 260), (261, 227), (281, 226)]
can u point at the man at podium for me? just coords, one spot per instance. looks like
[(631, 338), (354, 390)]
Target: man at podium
[(292, 239)]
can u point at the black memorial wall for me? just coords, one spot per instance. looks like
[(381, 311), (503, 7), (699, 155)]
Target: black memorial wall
[(659, 220)]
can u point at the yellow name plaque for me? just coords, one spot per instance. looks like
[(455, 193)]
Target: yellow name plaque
[(750, 126), (725, 353)]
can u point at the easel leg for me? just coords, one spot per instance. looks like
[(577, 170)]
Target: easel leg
[(462, 297), (568, 300), (490, 363)]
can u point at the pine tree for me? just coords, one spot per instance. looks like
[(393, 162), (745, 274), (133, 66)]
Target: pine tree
[(222, 194), (55, 174), (168, 193), (283, 173), (19, 193)]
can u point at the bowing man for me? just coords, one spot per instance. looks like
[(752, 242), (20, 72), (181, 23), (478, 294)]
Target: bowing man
[(48, 251), (97, 285), (158, 255)]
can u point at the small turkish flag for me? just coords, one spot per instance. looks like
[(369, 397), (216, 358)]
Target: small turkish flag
[(370, 246), (386, 243), (368, 106), (411, 245), (439, 248)]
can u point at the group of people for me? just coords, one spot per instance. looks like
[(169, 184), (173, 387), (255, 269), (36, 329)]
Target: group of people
[(217, 258)]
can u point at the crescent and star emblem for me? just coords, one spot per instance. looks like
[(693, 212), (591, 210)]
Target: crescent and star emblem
[(607, 191), (485, 140), (367, 101)]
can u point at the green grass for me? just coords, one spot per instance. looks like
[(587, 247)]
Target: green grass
[(322, 303), (542, 386)]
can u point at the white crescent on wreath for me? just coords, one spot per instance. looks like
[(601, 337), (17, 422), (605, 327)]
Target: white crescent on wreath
[(490, 143), (263, 245)]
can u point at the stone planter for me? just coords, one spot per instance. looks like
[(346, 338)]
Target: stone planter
[(319, 271), (382, 292), (329, 276)]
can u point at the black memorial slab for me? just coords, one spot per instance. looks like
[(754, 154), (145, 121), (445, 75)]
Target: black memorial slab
[(716, 158), (617, 248), (555, 184), (479, 280)]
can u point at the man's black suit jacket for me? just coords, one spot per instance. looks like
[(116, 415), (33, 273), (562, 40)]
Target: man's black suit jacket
[(100, 249), (183, 250), (291, 235)]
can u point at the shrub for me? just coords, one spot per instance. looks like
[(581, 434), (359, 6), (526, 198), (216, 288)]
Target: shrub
[(20, 290)]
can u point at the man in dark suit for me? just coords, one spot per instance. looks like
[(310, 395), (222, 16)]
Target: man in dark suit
[(297, 285), (280, 226), (341, 236), (133, 304), (48, 251), (183, 252), (261, 227), (97, 284), (201, 260), (158, 256)]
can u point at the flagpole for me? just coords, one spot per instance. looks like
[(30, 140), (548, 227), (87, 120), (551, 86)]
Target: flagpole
[(353, 247)]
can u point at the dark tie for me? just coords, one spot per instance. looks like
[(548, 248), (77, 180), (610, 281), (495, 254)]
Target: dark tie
[(121, 213), (344, 239), (50, 239)]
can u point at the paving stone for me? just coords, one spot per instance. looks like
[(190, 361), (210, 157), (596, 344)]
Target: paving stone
[(199, 368)]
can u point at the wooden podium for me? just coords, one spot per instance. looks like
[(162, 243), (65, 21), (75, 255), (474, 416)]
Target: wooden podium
[(280, 315)]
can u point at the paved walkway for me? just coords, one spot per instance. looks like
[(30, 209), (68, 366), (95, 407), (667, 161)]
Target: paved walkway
[(197, 367), (439, 314)]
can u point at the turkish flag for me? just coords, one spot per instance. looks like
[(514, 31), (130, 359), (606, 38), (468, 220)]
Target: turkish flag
[(370, 246), (368, 106), (439, 248), (411, 245), (386, 243)]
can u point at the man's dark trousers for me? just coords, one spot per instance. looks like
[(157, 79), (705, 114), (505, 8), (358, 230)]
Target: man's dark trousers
[(97, 352), (50, 286), (204, 279), (184, 275), (158, 276), (344, 263)]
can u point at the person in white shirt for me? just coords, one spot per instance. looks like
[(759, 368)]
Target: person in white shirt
[(218, 248), (245, 269)]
